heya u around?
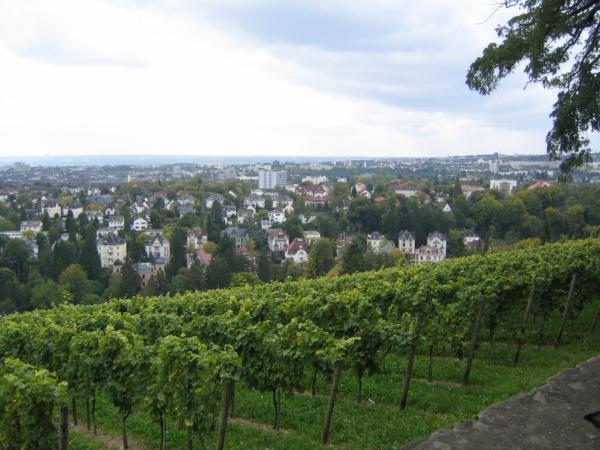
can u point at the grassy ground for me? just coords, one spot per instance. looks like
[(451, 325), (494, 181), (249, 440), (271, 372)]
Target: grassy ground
[(378, 423)]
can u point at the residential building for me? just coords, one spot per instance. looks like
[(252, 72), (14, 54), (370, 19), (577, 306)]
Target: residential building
[(268, 179), (147, 271), (469, 189), (374, 241), (111, 249), (213, 198), (276, 216), (196, 238), (277, 240), (312, 191), (52, 208), (297, 251), (437, 240), (139, 224), (116, 223), (506, 186), (254, 200), (158, 249), (239, 235), (31, 225), (311, 236), (76, 208), (427, 253), (471, 239), (406, 242)]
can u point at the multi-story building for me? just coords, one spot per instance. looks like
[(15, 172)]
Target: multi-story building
[(158, 249), (406, 242), (139, 224), (268, 179), (116, 223), (111, 249), (297, 251), (277, 240), (506, 186), (31, 225)]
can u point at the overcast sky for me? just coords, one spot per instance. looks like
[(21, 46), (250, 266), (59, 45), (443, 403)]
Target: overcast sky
[(256, 77)]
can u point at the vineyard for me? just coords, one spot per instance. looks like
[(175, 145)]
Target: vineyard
[(194, 362)]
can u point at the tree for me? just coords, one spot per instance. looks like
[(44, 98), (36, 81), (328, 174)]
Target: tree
[(263, 268), (11, 295), (74, 281), (218, 273), (559, 41), (71, 227), (321, 258), (46, 295), (16, 256), (90, 259), (353, 256), (130, 281), (178, 252)]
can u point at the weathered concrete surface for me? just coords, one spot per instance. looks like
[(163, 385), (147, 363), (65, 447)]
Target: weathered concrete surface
[(549, 417)]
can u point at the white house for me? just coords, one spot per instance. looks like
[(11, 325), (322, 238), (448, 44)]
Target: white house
[(447, 208), (427, 253), (374, 241), (196, 238), (311, 236), (406, 242), (139, 224), (437, 240), (254, 200), (158, 248), (111, 249), (76, 208), (245, 215), (506, 186), (277, 240), (297, 251), (52, 208), (213, 198), (31, 225), (276, 216), (116, 223), (471, 239)]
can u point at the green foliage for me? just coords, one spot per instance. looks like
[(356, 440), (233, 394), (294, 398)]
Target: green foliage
[(559, 42), (321, 258), (29, 399)]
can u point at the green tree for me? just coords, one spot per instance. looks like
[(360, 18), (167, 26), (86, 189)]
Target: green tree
[(74, 280), (11, 293), (321, 258), (559, 42), (46, 295), (16, 256), (178, 252), (90, 259), (263, 267), (130, 281), (354, 256), (71, 227)]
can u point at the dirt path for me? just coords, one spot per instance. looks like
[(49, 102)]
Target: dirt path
[(110, 441)]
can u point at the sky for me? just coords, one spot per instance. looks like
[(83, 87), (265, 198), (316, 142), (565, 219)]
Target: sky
[(377, 78)]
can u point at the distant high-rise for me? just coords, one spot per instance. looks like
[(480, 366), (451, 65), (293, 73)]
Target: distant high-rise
[(268, 179)]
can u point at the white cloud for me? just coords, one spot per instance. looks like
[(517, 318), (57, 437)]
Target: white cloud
[(89, 77)]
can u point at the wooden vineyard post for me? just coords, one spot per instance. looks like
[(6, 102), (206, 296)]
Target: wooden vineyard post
[(64, 428), (409, 366), (568, 305), (474, 340), (524, 325), (334, 387), (595, 321), (227, 398)]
